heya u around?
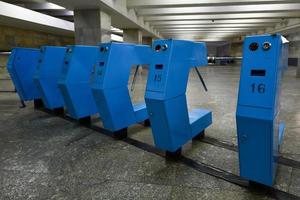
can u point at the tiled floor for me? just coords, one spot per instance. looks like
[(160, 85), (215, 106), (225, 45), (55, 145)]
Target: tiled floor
[(39, 158)]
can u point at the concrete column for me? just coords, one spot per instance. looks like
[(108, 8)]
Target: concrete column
[(294, 52), (92, 27), (132, 36), (3, 60), (236, 49), (223, 50), (147, 40), (298, 69)]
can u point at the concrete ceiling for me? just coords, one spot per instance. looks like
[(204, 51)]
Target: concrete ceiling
[(209, 19), (189, 19), (19, 17), (63, 9), (121, 17)]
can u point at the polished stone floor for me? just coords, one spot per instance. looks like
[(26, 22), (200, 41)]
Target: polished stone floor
[(46, 157)]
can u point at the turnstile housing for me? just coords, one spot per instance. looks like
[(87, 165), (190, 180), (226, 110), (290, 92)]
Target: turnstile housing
[(47, 73), (258, 127), (172, 124), (110, 84), (74, 81), (21, 67)]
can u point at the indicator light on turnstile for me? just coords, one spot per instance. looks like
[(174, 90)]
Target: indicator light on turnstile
[(157, 48), (104, 49), (253, 46), (164, 47), (266, 46)]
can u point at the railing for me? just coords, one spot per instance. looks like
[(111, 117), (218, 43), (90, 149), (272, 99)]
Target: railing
[(223, 60)]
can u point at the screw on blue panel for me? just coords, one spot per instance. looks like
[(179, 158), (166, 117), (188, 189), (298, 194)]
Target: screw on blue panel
[(259, 129), (110, 86), (172, 124)]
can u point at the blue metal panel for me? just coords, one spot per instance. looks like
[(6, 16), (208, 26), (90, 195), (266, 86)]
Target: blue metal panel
[(47, 73), (110, 80), (140, 112), (21, 67), (172, 125), (74, 80), (199, 120), (258, 126)]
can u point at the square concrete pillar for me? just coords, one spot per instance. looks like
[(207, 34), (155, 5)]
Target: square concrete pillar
[(298, 70), (132, 36), (147, 40), (92, 27)]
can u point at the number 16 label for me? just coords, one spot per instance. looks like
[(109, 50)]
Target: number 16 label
[(258, 88)]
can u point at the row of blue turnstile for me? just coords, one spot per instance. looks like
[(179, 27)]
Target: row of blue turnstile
[(87, 80)]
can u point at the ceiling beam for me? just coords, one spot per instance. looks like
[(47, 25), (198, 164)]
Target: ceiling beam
[(205, 21), (196, 31), (24, 1), (236, 32), (203, 35), (20, 17), (187, 3), (121, 17), (221, 9), (282, 15), (214, 33), (59, 13), (42, 6), (212, 25)]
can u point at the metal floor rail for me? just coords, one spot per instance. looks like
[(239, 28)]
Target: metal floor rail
[(196, 165)]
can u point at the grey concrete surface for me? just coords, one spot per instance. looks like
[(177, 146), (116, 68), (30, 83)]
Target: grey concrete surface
[(46, 157), (133, 36), (147, 40), (298, 71), (92, 27)]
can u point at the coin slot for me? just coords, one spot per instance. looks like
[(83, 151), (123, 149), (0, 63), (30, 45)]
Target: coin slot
[(159, 66), (258, 72)]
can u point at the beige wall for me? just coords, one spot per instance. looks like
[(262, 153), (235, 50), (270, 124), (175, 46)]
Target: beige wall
[(13, 37)]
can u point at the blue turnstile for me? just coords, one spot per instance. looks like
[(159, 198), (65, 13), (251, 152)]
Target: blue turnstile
[(46, 76), (110, 85), (74, 81), (258, 127), (172, 124), (21, 67)]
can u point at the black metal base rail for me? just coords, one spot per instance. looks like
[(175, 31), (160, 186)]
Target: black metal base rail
[(7, 91), (198, 166), (226, 145)]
